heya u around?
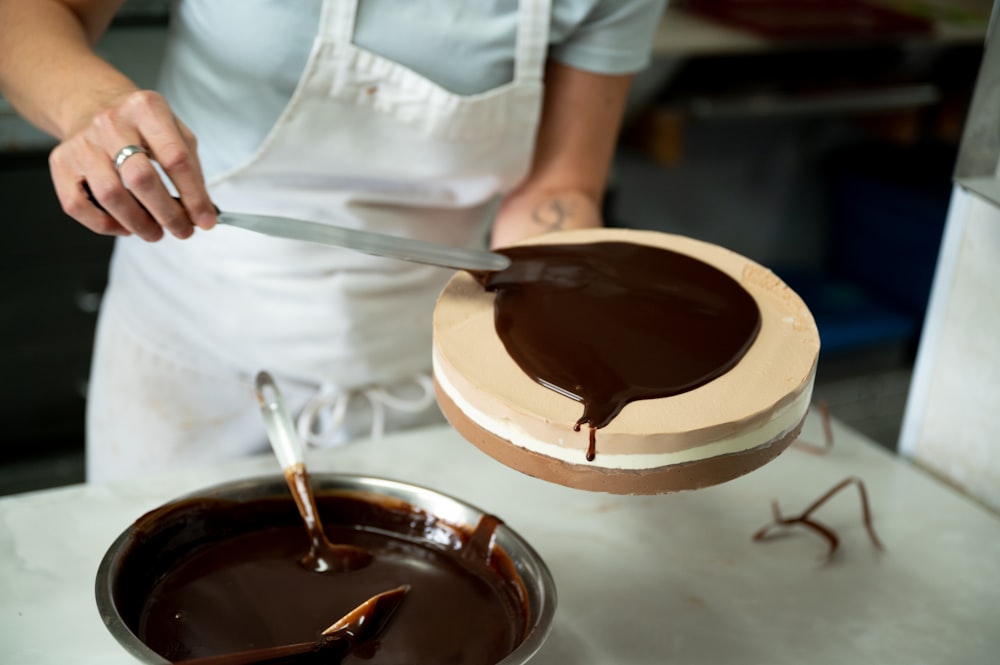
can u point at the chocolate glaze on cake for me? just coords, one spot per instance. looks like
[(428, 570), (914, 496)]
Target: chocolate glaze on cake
[(607, 323), (210, 576), (733, 411)]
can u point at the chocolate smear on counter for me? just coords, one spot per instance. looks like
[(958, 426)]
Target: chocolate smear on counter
[(805, 518), (608, 323), (207, 577)]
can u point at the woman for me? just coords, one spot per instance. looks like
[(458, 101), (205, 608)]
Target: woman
[(432, 120)]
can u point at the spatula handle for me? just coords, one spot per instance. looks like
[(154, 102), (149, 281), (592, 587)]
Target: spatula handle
[(280, 430)]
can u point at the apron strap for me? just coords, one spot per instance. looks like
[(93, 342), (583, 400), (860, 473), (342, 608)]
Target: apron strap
[(322, 422), (338, 18)]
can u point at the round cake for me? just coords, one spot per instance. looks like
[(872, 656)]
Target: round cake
[(738, 346)]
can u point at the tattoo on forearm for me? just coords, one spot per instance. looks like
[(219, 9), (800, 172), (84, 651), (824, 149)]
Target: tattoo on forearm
[(552, 215)]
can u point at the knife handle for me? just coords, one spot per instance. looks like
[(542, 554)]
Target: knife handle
[(94, 202)]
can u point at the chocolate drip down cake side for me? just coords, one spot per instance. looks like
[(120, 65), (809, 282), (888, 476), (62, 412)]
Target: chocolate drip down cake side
[(624, 361)]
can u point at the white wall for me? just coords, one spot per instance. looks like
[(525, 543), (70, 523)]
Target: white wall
[(952, 420)]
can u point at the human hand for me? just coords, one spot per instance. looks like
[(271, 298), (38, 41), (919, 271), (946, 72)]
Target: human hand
[(133, 199)]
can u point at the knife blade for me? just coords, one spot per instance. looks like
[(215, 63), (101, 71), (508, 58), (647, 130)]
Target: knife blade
[(379, 244), (368, 242)]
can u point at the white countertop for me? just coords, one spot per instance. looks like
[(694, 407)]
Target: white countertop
[(672, 578)]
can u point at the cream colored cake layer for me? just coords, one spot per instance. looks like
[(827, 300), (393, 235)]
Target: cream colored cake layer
[(767, 391), (562, 448)]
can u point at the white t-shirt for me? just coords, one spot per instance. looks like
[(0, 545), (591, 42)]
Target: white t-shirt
[(231, 65)]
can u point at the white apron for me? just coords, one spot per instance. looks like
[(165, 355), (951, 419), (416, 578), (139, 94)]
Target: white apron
[(364, 142)]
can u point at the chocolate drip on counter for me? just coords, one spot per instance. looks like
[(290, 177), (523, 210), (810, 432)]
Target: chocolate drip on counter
[(209, 577), (609, 323), (806, 519)]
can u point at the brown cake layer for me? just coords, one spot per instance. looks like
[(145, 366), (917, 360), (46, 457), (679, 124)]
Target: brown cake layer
[(587, 476)]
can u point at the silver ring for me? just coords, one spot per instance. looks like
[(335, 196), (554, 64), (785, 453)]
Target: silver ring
[(127, 152)]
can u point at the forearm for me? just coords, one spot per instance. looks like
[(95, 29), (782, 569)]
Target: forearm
[(49, 71), (573, 152)]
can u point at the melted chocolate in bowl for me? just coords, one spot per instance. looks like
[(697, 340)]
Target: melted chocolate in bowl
[(607, 323), (207, 576)]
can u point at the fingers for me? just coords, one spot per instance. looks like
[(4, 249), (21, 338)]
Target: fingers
[(134, 198), (81, 171), (185, 172), (120, 200), (174, 147), (143, 186)]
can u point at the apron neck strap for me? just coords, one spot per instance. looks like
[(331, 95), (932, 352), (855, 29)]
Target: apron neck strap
[(338, 18)]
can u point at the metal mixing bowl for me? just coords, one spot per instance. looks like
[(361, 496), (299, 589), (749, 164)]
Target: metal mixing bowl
[(535, 576)]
